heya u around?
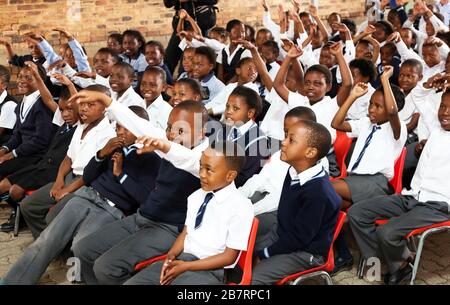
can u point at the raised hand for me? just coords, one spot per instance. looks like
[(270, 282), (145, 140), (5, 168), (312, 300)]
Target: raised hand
[(394, 37), (110, 147), (33, 67), (245, 43), (62, 79), (264, 5), (85, 96), (64, 33), (370, 29), (336, 48), (359, 90), (287, 44), (183, 14), (149, 144), (313, 10), (387, 73), (295, 52)]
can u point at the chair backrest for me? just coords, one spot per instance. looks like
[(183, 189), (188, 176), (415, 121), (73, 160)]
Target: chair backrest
[(246, 258), (396, 181), (329, 265), (341, 148)]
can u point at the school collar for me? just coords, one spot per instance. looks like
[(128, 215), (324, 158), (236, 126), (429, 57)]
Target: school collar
[(156, 103), (127, 150), (222, 195), (311, 173), (244, 128), (208, 77), (325, 99), (100, 126), (227, 50), (3, 96), (27, 103), (124, 95)]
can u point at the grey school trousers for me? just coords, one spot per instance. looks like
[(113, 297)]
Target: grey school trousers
[(405, 214), (151, 275), (109, 255), (36, 206), (85, 213), (274, 268)]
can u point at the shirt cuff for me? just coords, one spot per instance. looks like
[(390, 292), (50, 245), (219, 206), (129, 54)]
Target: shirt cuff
[(97, 158), (263, 254), (121, 179), (14, 153), (6, 147)]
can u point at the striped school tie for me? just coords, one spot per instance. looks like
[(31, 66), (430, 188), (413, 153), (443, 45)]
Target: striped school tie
[(234, 134), (366, 144), (202, 209)]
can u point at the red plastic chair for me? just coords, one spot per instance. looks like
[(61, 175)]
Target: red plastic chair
[(341, 148), (245, 259), (396, 181), (322, 270), (16, 224)]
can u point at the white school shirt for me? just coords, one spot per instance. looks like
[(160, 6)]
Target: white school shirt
[(129, 98), (81, 151), (383, 150), (274, 68), (325, 110), (273, 123), (360, 107), (419, 94), (270, 179), (218, 104), (408, 110), (214, 85), (7, 116), (245, 54), (226, 223), (158, 112), (216, 45), (28, 102)]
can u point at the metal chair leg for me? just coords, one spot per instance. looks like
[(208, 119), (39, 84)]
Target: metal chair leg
[(16, 223), (322, 274), (361, 266)]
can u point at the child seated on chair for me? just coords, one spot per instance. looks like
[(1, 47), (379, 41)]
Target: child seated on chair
[(186, 89), (308, 209), (381, 138), (427, 203), (120, 81), (217, 227)]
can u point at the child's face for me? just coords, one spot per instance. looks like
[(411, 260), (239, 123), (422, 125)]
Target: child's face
[(69, 112), (332, 19), (306, 20), (26, 83), (247, 72), (216, 36), (316, 86), (153, 55), (151, 87), (237, 32), (268, 54), (379, 34), (115, 45), (326, 58), (357, 76), (444, 112), (317, 40), (201, 66), (214, 172), (395, 21), (429, 29), (183, 128), (386, 55), (91, 111), (125, 134), (69, 58), (35, 51), (377, 109), (103, 63), (119, 80), (408, 78), (237, 111), (406, 36), (2, 86), (431, 55), (294, 148), (182, 93), (188, 57), (288, 123), (363, 52), (130, 45), (262, 37)]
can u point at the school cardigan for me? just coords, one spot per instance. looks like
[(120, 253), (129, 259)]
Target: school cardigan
[(132, 187), (19, 61), (307, 217), (167, 202), (32, 136)]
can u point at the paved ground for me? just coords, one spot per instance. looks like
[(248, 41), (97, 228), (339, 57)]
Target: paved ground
[(434, 269)]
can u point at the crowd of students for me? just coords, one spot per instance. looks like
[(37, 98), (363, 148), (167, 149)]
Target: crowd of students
[(129, 159)]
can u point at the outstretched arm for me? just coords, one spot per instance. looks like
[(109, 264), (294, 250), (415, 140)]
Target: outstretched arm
[(347, 79), (389, 100)]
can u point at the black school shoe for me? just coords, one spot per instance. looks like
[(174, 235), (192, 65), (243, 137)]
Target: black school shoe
[(341, 264), (9, 225), (399, 276)]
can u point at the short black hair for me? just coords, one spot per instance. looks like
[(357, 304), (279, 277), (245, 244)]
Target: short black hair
[(127, 67), (366, 43), (157, 70), (140, 112), (233, 153), (365, 67), (194, 107), (41, 71), (232, 23), (243, 61), (157, 45), (5, 75), (111, 52), (251, 32), (251, 98), (323, 70), (318, 137), (302, 113), (273, 45), (208, 53), (399, 96), (390, 46), (265, 30), (194, 84), (99, 88), (413, 63), (117, 37), (351, 25), (137, 35), (221, 31), (386, 26), (64, 93)]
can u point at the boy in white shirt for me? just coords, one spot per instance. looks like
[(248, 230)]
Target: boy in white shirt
[(217, 227), (7, 107), (121, 80)]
